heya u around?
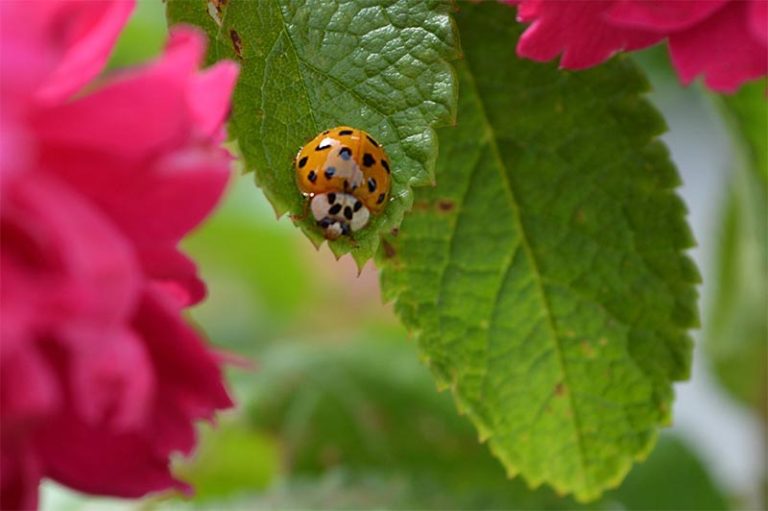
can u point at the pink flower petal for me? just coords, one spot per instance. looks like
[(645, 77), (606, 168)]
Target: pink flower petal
[(578, 31), (113, 380), (86, 31), (184, 52), (758, 20), (101, 378), (175, 272), (182, 190), (134, 117), (662, 16), (85, 266), (29, 391), (98, 460), (20, 475), (209, 96), (192, 373), (722, 48), (156, 204)]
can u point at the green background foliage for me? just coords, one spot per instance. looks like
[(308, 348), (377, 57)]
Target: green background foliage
[(738, 319), (338, 412), (544, 274), (309, 66)]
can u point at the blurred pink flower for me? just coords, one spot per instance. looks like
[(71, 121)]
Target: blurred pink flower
[(101, 379), (726, 41)]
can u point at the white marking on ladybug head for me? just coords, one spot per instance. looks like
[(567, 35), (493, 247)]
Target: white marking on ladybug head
[(339, 213)]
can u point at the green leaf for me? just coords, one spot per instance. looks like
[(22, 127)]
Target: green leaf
[(544, 276), (748, 113), (737, 321), (229, 249), (362, 427), (363, 421), (308, 66), (142, 38), (230, 459), (672, 479)]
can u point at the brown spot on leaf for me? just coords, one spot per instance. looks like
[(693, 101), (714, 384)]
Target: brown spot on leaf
[(237, 43), (446, 205), (560, 389), (395, 231), (421, 205), (389, 250)]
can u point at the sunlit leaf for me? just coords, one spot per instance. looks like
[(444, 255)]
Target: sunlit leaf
[(544, 276)]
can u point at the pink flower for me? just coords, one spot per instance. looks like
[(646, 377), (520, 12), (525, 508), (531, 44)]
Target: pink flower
[(726, 41), (101, 379)]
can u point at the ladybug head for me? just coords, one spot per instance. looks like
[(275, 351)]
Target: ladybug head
[(339, 214)]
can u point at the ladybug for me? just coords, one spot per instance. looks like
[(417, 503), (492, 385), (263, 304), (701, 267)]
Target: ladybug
[(345, 174)]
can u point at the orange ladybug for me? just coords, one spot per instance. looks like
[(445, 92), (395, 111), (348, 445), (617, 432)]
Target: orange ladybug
[(347, 177)]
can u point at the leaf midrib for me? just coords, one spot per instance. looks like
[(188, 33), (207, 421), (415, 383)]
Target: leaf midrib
[(539, 284)]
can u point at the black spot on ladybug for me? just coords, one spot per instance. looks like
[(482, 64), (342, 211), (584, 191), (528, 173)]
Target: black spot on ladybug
[(372, 141), (325, 222), (348, 213), (371, 185), (368, 160), (312, 176), (303, 162), (331, 198), (323, 146), (326, 132), (345, 228), (329, 172), (345, 132), (345, 153), (385, 165), (335, 209), (358, 205), (381, 198)]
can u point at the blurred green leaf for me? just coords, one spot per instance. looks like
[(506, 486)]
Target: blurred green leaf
[(544, 275), (748, 113), (737, 326), (143, 37), (231, 458), (257, 279), (310, 66), (361, 425), (354, 489), (354, 401), (672, 479)]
